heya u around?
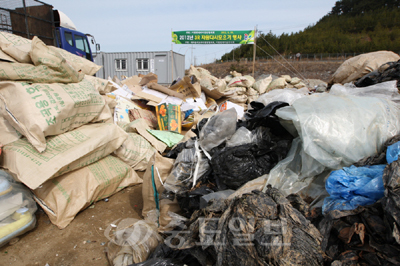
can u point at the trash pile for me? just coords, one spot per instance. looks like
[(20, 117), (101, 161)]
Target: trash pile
[(233, 170)]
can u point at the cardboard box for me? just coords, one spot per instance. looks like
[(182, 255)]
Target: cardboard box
[(169, 117)]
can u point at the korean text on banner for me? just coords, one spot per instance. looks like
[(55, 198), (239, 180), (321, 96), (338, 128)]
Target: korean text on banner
[(213, 37)]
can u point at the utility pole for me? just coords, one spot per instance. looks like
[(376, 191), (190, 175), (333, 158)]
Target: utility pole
[(254, 48), (233, 53), (191, 58)]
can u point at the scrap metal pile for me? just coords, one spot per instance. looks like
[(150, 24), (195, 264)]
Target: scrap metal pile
[(234, 171)]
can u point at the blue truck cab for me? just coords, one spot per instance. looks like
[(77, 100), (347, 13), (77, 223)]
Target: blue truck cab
[(74, 42), (29, 18)]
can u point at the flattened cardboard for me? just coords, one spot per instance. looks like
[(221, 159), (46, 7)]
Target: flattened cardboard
[(166, 90), (131, 82), (140, 126), (148, 79), (146, 96), (185, 87)]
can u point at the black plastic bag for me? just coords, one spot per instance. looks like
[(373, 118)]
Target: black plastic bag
[(386, 72), (264, 116), (159, 262), (234, 166)]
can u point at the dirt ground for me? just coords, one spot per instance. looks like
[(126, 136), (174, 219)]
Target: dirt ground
[(82, 242)]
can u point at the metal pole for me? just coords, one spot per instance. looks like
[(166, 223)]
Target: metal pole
[(191, 58), (254, 49), (26, 21)]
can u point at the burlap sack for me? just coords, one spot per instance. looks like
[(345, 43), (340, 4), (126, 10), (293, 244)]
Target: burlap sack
[(48, 67), (63, 197), (136, 151), (8, 133), (16, 46), (295, 81), (262, 84), (49, 109), (300, 85), (242, 81), (6, 57), (162, 167), (238, 98), (77, 62), (106, 116), (103, 86), (279, 83), (358, 66), (64, 153), (19, 48), (287, 78)]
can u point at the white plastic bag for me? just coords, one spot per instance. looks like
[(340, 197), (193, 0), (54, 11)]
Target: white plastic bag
[(283, 95), (242, 136), (218, 128)]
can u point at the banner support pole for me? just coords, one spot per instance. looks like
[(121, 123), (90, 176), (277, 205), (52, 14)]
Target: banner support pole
[(254, 48), (172, 60)]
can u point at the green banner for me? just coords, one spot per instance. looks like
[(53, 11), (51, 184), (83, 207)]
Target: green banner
[(213, 37)]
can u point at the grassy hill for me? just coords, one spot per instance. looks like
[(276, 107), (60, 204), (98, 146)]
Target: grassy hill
[(352, 26)]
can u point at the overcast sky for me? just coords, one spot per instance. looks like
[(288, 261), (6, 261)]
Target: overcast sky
[(134, 26)]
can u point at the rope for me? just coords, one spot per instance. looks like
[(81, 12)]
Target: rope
[(297, 72)]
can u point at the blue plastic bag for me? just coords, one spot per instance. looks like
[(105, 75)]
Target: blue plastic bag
[(392, 152), (353, 186)]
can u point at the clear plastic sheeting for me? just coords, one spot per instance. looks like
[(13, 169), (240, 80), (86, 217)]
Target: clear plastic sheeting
[(282, 95), (242, 136), (385, 90), (132, 242), (338, 131), (218, 129), (294, 173)]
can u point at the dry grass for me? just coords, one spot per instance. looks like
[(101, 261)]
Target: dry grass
[(322, 70)]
